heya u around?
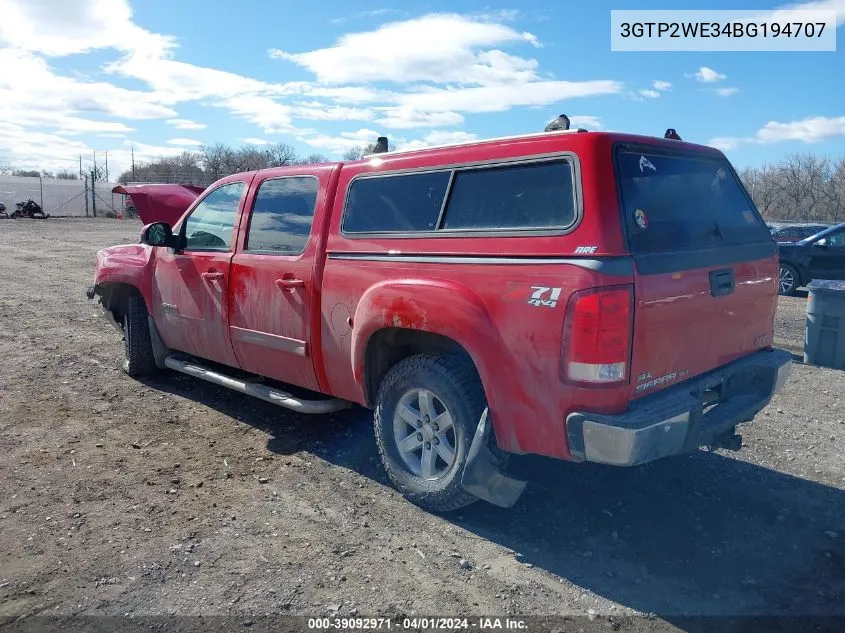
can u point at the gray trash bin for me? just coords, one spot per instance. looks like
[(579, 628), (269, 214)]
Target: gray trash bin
[(824, 334)]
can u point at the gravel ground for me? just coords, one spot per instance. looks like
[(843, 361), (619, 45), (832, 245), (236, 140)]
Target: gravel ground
[(174, 496)]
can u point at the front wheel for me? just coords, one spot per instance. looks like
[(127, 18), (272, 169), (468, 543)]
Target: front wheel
[(139, 358), (789, 279), (426, 414)]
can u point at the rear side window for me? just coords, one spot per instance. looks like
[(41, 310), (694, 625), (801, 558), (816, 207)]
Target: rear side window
[(537, 195), (398, 204), (676, 202), (282, 215), (534, 196)]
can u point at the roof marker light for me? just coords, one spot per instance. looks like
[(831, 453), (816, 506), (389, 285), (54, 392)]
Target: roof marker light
[(672, 134), (381, 145), (560, 123)]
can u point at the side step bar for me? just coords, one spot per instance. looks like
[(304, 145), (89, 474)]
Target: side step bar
[(274, 396)]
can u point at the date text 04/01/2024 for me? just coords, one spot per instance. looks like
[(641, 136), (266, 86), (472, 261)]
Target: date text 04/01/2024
[(416, 623)]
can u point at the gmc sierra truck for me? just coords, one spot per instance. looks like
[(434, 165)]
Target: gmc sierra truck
[(586, 296)]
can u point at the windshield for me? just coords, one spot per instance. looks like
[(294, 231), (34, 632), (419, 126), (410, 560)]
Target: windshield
[(675, 202), (821, 234)]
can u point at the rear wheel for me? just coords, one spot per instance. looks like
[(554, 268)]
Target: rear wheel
[(137, 345), (426, 414), (789, 279)]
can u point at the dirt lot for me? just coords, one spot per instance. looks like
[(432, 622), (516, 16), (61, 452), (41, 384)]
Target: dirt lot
[(130, 498)]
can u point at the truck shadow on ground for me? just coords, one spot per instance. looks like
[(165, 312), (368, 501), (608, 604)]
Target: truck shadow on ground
[(702, 534)]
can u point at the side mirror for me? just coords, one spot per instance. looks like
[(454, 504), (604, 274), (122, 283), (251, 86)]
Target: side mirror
[(157, 234)]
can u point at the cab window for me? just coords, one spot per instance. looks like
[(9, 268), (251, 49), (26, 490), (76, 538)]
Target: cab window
[(210, 227)]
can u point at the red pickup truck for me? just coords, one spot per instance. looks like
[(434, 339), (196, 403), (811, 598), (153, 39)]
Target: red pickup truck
[(586, 296)]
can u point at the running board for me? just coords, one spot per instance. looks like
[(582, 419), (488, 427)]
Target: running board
[(274, 396)]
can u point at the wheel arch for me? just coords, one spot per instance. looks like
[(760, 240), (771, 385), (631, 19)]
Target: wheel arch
[(390, 345), (114, 296), (396, 319)]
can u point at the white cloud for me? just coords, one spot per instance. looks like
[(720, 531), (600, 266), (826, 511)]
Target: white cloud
[(707, 75), (662, 86), (588, 122), (786, 13), (650, 94), (28, 81), (184, 141), (318, 111), (727, 143), (440, 137), (186, 124), (441, 67), (374, 13), (255, 141), (810, 130), (726, 92), (440, 48), (405, 117), (343, 142), (31, 149), (120, 159), (499, 98), (265, 112), (64, 28)]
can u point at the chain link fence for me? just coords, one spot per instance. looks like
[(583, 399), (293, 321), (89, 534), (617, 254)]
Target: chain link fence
[(61, 198)]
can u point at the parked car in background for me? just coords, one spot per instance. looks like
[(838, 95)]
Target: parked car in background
[(820, 256), (796, 232)]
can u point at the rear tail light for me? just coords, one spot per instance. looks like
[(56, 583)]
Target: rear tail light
[(597, 336)]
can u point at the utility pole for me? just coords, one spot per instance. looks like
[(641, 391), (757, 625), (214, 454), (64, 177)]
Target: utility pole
[(85, 178), (41, 189), (93, 193), (133, 164), (107, 166), (80, 165)]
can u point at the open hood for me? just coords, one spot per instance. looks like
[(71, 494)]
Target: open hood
[(160, 203)]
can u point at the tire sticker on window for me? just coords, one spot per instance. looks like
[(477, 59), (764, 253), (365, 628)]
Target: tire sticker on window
[(644, 162), (641, 219)]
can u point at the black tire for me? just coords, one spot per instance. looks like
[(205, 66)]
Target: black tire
[(788, 279), (454, 382), (138, 348)]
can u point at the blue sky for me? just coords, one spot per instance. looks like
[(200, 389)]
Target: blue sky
[(166, 76)]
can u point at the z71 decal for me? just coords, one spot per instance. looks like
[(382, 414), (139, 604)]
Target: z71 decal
[(537, 296), (544, 296)]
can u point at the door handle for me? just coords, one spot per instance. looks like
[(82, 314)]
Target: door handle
[(288, 285), (722, 282), (212, 276)]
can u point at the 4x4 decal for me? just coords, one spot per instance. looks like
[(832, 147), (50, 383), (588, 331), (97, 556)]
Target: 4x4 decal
[(538, 297)]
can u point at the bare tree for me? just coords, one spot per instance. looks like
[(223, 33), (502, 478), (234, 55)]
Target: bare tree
[(801, 187), (5, 167), (835, 191), (311, 159), (280, 154), (356, 153), (800, 182), (216, 159)]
